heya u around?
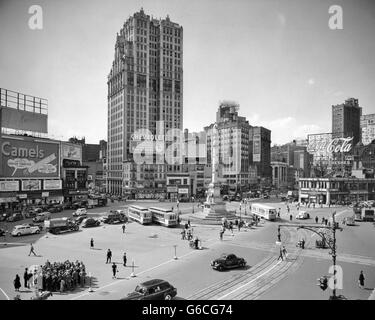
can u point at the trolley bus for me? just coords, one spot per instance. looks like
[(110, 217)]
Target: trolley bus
[(165, 217), (263, 211), (140, 214)]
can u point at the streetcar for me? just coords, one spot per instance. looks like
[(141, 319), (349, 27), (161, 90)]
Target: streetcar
[(165, 217), (263, 211), (140, 214)]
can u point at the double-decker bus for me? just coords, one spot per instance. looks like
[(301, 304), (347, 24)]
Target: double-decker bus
[(165, 217), (263, 211), (140, 214)]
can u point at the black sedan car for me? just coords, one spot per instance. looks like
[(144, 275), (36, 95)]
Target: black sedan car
[(90, 222), (155, 289), (228, 261)]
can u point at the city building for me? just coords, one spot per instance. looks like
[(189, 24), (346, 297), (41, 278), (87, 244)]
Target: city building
[(346, 120), (30, 171), (260, 153), (364, 156), (336, 190), (195, 162), (279, 174), (368, 128), (244, 150), (232, 132), (145, 92), (73, 172)]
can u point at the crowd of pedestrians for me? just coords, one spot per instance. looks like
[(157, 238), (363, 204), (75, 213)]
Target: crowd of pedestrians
[(63, 276)]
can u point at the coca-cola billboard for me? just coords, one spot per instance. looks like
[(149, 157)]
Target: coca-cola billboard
[(330, 145)]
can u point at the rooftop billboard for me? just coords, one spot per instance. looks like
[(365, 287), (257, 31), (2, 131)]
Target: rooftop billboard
[(22, 157)]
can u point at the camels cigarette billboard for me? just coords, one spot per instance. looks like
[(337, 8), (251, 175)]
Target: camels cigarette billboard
[(23, 157)]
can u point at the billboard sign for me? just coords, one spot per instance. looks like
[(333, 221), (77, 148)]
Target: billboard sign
[(52, 185), (9, 186), (71, 151), (28, 158), (30, 185)]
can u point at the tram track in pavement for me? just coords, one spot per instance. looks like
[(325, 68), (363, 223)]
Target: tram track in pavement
[(239, 282)]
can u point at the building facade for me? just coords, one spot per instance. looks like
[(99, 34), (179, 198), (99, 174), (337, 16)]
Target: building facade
[(368, 128), (234, 144), (145, 88), (346, 120), (336, 190)]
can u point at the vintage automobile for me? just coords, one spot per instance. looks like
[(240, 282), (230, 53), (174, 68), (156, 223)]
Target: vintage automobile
[(155, 289), (228, 261), (15, 217), (24, 229), (42, 216), (303, 215), (2, 232), (90, 222), (115, 217), (80, 212)]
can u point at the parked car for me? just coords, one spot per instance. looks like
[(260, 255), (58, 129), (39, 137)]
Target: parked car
[(303, 215), (15, 217), (115, 216), (79, 220), (80, 212), (90, 222), (228, 261), (24, 229), (79, 204), (55, 208), (42, 216), (2, 232), (4, 216), (155, 289)]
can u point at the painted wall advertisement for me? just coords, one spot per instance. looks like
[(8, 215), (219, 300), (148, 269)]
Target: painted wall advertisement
[(52, 185), (28, 158), (9, 185), (30, 185), (71, 151)]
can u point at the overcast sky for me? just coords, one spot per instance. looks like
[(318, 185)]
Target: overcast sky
[(278, 59)]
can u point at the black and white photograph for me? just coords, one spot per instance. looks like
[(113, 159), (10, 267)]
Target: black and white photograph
[(206, 151)]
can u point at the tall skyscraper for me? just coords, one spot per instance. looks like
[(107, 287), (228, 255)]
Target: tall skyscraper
[(368, 128), (346, 120), (145, 85)]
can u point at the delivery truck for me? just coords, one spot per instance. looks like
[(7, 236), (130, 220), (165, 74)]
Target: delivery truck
[(59, 225)]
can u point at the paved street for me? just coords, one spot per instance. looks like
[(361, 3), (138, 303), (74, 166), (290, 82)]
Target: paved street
[(264, 277)]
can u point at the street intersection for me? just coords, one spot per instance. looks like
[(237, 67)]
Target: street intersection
[(151, 248)]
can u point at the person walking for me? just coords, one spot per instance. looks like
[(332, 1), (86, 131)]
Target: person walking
[(316, 219), (92, 243), (287, 207), (183, 235), (26, 279), (284, 251), (114, 270), (109, 256), (189, 223), (278, 213), (290, 217), (123, 228), (280, 255), (17, 283), (221, 234), (361, 280), (303, 243), (124, 259), (32, 250)]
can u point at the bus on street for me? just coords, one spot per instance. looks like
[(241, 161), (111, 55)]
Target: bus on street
[(263, 211)]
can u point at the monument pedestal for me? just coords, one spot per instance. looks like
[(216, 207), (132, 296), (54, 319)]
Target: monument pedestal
[(215, 208)]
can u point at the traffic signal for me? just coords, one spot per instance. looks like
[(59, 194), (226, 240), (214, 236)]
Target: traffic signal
[(323, 283)]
